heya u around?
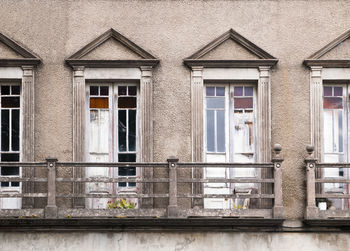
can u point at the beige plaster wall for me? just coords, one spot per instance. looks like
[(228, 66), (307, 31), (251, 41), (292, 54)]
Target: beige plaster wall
[(173, 30), (175, 241)]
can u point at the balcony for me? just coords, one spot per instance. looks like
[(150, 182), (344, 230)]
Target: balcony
[(328, 194), (170, 198)]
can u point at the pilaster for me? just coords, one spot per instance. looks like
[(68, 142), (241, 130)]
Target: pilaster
[(197, 127), (316, 110), (146, 87), (27, 151), (264, 115), (78, 130)]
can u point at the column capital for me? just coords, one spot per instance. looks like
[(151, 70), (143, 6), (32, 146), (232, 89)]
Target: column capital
[(316, 71), (197, 71), (28, 70), (264, 71), (146, 71), (78, 71)]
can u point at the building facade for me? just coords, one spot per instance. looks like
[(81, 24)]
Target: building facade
[(201, 95)]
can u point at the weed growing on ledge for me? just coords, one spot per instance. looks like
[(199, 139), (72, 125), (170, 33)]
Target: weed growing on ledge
[(121, 204)]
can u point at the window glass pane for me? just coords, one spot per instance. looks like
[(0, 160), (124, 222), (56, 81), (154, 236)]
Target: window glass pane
[(340, 131), (99, 103), (5, 130), (104, 90), (220, 117), (15, 89), (94, 90), (132, 90), (15, 130), (215, 103), (10, 102), (210, 91), (328, 131), (94, 130), (127, 171), (132, 130), (9, 157), (327, 91), (104, 131), (5, 90), (10, 170), (220, 91), (5, 184), (338, 91), (122, 130), (121, 90), (243, 102), (332, 103), (210, 131), (248, 91), (238, 91), (127, 102)]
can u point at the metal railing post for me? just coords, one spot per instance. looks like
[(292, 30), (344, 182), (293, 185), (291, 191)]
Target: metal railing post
[(51, 208), (172, 210), (311, 209), (278, 209)]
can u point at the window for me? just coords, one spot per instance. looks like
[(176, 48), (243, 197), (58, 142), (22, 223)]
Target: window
[(335, 138), (112, 133), (230, 135), (10, 139)]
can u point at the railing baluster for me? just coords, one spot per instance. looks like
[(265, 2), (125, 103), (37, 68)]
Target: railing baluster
[(172, 210), (311, 209), (51, 208), (278, 209)]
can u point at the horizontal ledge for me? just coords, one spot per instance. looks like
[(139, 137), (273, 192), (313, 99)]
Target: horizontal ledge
[(327, 62), (332, 180), (227, 196), (112, 63), (23, 195), (110, 164), (113, 180), (112, 196), (333, 165), (20, 62), (226, 165), (24, 164), (145, 223), (237, 180), (330, 195), (230, 63)]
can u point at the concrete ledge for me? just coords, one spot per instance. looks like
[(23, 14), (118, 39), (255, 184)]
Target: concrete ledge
[(141, 224)]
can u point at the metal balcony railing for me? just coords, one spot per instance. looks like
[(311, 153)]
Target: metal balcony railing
[(169, 193)]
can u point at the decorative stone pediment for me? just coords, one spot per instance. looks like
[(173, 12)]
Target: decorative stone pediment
[(112, 49), (14, 54), (334, 54), (230, 50)]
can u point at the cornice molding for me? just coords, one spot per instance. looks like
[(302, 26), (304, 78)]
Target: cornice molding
[(147, 58), (314, 59), (29, 57), (264, 57)]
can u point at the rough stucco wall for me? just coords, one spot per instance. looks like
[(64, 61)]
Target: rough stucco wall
[(173, 30), (175, 241)]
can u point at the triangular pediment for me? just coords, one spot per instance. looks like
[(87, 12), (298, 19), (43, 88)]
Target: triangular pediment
[(230, 50), (13, 53), (112, 49), (334, 54)]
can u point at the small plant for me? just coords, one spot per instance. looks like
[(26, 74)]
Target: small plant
[(121, 204), (234, 206)]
